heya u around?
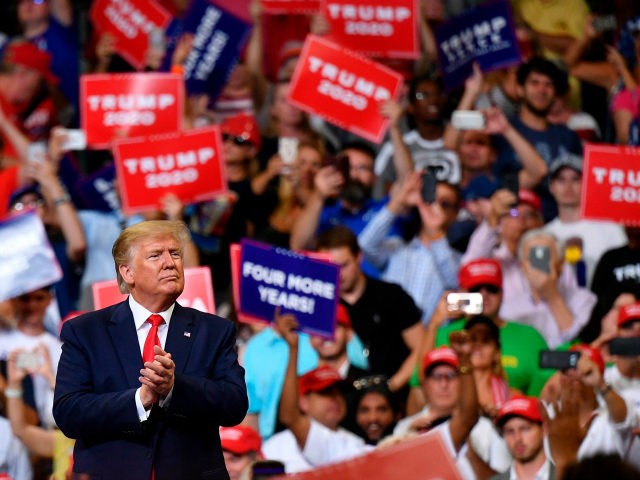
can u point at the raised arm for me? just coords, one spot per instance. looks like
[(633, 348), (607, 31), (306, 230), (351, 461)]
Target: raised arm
[(289, 410)]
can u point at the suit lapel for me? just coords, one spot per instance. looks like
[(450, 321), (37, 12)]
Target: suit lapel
[(125, 340), (181, 335)]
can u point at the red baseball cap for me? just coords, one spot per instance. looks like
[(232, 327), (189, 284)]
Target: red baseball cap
[(244, 126), (319, 379), (530, 198), (342, 316), (525, 407), (483, 271), (437, 356), (628, 313), (593, 354), (240, 439), (26, 54)]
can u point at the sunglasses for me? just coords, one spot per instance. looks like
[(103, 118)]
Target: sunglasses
[(489, 288), (364, 383), (31, 204), (443, 376), (240, 140)]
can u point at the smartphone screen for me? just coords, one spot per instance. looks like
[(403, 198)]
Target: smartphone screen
[(428, 191), (558, 360), (625, 347), (540, 258)]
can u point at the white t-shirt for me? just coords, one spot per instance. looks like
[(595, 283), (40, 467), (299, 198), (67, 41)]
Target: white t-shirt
[(14, 339), (597, 237), (283, 447), (14, 457)]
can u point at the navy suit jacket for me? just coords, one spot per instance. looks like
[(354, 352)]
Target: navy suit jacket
[(95, 390)]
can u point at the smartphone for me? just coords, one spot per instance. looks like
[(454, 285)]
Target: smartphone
[(28, 360), (468, 120), (469, 303), (625, 347), (510, 182), (37, 152), (428, 191), (287, 150), (340, 163), (156, 39), (540, 258), (605, 23), (558, 360), (75, 139)]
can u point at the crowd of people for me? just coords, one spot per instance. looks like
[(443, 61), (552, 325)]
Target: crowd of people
[(491, 214)]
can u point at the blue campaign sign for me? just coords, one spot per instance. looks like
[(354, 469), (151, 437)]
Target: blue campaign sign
[(219, 37), (98, 190), (484, 34), (273, 277)]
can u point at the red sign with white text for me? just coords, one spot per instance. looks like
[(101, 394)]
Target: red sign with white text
[(611, 184), (379, 28), (197, 293), (115, 106), (130, 22), (290, 6), (343, 87), (188, 165)]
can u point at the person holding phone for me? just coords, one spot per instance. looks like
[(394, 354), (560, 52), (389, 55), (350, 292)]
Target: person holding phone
[(543, 291)]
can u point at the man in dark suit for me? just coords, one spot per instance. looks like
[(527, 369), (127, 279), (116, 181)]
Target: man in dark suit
[(158, 417)]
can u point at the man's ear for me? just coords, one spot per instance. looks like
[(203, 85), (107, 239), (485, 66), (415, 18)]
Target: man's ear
[(520, 91), (126, 273), (303, 403)]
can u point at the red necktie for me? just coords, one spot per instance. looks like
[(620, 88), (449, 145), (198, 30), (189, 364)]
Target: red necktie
[(152, 338)]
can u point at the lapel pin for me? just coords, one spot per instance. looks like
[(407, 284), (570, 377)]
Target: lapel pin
[(187, 334)]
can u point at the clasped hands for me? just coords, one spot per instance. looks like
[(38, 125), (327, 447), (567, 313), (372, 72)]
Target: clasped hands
[(157, 377)]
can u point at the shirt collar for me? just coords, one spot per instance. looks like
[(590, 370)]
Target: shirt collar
[(543, 473), (141, 314)]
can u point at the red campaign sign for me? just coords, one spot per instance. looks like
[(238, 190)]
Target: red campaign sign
[(290, 6), (116, 106), (130, 22), (611, 184), (343, 87), (405, 459), (187, 164), (198, 291), (235, 251), (379, 28)]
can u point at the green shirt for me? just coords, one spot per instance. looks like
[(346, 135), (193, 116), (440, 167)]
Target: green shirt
[(520, 345)]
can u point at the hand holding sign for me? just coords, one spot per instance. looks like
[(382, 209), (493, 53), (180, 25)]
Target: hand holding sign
[(287, 326)]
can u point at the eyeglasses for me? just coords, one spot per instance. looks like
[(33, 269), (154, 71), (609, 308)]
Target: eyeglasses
[(420, 96), (443, 376), (239, 140), (515, 213), (446, 205), (35, 2), (489, 288), (31, 204), (364, 383)]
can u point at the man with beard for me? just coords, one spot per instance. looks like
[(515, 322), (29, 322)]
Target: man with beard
[(342, 196), (376, 410), (521, 424), (538, 82)]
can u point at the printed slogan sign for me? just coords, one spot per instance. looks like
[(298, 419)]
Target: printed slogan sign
[(290, 6), (484, 34), (218, 39), (381, 28), (27, 261), (272, 277), (611, 184), (115, 106), (343, 88), (197, 293), (130, 22), (188, 165)]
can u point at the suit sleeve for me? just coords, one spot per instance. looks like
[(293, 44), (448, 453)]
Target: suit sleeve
[(218, 398), (79, 411)]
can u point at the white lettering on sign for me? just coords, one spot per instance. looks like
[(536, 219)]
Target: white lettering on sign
[(481, 38), (290, 301), (616, 176), (368, 12), (345, 86), (260, 273), (204, 41), (131, 101), (128, 19)]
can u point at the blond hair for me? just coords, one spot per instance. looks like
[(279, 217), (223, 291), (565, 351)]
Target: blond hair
[(125, 245)]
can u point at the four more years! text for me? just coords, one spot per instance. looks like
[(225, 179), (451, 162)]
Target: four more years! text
[(274, 280)]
